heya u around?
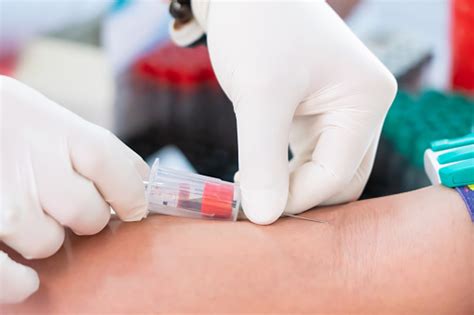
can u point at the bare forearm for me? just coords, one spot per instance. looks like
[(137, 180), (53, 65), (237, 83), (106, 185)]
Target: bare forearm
[(406, 253), (410, 253)]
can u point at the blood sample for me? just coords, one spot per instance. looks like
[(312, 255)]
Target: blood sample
[(190, 195)]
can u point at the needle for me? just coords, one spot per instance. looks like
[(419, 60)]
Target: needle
[(299, 217), (304, 218)]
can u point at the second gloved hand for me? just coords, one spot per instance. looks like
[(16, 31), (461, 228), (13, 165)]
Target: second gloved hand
[(57, 170), (297, 75)]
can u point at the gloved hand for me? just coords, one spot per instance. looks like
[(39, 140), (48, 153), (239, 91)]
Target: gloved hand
[(57, 170), (296, 74)]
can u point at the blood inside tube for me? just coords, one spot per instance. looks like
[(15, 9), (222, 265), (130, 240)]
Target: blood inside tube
[(217, 201), (177, 193)]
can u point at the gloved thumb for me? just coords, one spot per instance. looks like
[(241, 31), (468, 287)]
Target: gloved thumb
[(17, 282)]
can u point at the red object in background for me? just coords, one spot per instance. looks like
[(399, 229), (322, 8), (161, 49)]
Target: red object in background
[(8, 64), (462, 41), (169, 64), (170, 95)]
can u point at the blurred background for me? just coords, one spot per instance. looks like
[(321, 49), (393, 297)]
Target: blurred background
[(112, 62)]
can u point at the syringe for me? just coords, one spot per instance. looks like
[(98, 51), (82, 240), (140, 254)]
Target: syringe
[(177, 193), (190, 195)]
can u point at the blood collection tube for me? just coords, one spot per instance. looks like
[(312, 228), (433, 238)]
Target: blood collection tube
[(190, 195)]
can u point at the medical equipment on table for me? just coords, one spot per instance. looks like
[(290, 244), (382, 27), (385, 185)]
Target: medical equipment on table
[(178, 193)]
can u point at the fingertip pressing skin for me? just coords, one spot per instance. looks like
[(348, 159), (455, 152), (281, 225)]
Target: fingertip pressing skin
[(263, 206)]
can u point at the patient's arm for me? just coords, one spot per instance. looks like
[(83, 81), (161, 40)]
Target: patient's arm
[(408, 253)]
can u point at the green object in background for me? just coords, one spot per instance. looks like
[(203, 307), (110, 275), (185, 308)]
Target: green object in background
[(414, 121), (445, 144), (458, 156)]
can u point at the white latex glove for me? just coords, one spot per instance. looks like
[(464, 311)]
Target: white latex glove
[(57, 170), (296, 74)]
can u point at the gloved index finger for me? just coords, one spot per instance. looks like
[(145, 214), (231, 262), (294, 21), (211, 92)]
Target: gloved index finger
[(102, 158), (264, 112), (263, 158)]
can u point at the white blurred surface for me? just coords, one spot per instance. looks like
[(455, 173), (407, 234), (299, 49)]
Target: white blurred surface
[(21, 20), (131, 30), (172, 157), (429, 19), (76, 76)]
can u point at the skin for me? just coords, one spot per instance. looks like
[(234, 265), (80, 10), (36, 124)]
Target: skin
[(410, 253)]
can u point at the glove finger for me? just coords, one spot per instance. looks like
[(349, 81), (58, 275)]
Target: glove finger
[(100, 157), (140, 165), (17, 282), (263, 158), (237, 177), (338, 153), (353, 190), (71, 199), (28, 230)]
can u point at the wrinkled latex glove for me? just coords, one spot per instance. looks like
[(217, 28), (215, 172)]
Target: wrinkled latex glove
[(57, 170), (296, 75)]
